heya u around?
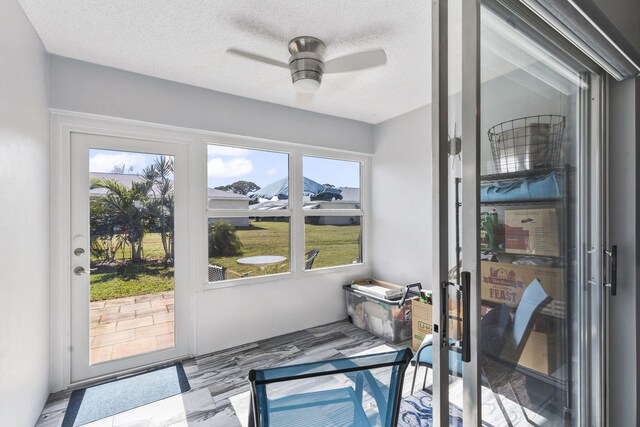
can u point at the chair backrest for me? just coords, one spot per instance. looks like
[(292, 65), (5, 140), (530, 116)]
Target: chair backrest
[(314, 393), (310, 256), (533, 300), (217, 273)]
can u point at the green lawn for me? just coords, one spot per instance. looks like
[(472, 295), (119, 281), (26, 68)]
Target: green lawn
[(109, 282), (127, 279), (338, 245), (151, 248)]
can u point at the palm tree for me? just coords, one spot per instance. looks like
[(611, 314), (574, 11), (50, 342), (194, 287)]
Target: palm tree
[(128, 209), (159, 178)]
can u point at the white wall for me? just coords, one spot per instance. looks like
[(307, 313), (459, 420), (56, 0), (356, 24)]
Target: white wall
[(401, 199), (624, 140), (89, 88), (248, 312), (401, 171), (24, 220)]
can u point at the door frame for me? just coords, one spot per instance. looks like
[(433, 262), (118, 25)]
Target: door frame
[(593, 369), (81, 145), (63, 125), (470, 15)]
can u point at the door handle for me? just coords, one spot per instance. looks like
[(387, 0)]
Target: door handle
[(79, 271), (613, 283), (466, 315)]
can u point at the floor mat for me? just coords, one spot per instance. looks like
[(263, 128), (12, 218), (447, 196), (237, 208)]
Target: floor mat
[(104, 400)]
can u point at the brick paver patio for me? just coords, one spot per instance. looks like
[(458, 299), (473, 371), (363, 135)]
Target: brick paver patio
[(128, 326)]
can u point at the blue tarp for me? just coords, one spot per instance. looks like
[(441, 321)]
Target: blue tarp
[(280, 188), (548, 187)]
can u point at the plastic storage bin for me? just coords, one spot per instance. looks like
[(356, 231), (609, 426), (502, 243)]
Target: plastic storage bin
[(387, 319)]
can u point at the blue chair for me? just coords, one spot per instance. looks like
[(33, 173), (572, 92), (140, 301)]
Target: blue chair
[(502, 340), (357, 391)]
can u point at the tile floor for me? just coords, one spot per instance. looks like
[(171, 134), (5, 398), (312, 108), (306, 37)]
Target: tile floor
[(127, 326), (220, 389)]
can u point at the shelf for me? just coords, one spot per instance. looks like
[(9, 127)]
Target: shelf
[(524, 174), (540, 202), (519, 255)]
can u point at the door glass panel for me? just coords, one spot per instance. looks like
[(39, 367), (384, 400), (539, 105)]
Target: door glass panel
[(131, 226), (530, 150), (453, 151)]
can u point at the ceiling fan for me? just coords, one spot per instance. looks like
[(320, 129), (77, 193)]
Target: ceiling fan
[(307, 64)]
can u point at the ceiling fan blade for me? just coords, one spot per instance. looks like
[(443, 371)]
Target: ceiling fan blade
[(256, 57), (356, 61)]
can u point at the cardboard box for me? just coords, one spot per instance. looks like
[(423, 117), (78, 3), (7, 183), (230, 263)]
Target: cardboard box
[(422, 323), (532, 231), (505, 283), (540, 353)]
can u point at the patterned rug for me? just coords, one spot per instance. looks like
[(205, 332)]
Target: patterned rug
[(415, 411)]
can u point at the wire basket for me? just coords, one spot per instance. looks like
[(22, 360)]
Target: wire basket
[(527, 143)]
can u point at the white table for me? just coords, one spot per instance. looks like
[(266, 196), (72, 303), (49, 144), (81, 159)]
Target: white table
[(262, 261)]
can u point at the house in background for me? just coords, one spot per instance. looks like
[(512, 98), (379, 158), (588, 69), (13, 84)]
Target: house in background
[(219, 198), (228, 200)]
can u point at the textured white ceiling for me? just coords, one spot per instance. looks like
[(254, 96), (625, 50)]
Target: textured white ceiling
[(186, 41)]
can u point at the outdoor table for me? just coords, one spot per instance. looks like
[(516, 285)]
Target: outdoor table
[(262, 261)]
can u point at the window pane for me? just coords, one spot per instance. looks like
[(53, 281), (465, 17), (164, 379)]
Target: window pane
[(240, 178), (338, 240), (330, 184), (131, 237), (247, 247)]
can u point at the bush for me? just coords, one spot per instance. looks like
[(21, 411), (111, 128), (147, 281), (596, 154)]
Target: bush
[(223, 241)]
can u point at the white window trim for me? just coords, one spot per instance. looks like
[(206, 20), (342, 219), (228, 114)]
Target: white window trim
[(295, 211), (64, 122)]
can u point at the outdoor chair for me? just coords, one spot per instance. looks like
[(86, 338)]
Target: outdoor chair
[(356, 391), (502, 342), (310, 257), (218, 273)]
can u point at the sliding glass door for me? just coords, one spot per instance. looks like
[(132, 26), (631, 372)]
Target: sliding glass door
[(518, 178)]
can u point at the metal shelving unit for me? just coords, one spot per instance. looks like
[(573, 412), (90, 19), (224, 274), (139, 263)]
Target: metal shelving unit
[(561, 311)]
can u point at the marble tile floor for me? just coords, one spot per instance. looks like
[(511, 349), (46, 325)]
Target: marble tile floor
[(219, 381)]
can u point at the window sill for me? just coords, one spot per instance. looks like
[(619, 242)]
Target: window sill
[(212, 286)]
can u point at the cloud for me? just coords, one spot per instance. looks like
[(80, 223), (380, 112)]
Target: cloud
[(221, 168), (104, 162), (220, 150), (272, 171)]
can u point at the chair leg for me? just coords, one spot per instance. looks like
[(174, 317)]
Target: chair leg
[(526, 417), (424, 381), (415, 373), (499, 400)]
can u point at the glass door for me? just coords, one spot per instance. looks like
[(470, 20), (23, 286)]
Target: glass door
[(519, 164), (128, 254)]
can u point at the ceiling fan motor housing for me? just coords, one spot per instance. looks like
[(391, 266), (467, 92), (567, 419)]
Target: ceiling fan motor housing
[(306, 60)]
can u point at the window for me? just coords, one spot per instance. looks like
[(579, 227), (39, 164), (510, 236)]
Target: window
[(253, 224), (332, 212), (248, 230)]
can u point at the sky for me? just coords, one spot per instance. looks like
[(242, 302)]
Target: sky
[(226, 165)]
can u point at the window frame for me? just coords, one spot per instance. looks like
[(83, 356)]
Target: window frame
[(294, 211)]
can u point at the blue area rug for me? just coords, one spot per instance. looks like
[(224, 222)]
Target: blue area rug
[(104, 400), (416, 411)]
